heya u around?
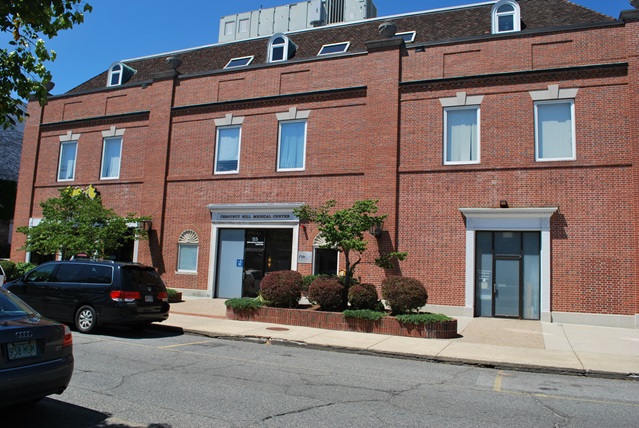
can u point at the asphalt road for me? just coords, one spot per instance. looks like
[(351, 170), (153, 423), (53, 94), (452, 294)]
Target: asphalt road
[(155, 379)]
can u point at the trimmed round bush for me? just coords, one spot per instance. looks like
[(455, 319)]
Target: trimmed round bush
[(404, 295), (282, 289), (327, 292), (363, 296)]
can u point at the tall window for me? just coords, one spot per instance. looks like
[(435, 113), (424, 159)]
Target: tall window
[(461, 135), (555, 130), (506, 17), (188, 245), (111, 157), (115, 75), (292, 145), (280, 48), (227, 151), (68, 152)]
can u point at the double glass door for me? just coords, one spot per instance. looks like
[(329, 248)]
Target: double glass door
[(507, 282)]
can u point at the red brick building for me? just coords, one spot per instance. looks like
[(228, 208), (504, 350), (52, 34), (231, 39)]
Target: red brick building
[(498, 138)]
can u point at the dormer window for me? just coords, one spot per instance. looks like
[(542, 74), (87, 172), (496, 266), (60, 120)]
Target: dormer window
[(280, 48), (334, 48), (506, 17), (119, 74)]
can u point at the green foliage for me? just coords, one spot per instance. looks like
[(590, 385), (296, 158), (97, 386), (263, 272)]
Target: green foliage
[(403, 294), (423, 318), (344, 229), (327, 292), (22, 64), (76, 222), (363, 296), (22, 268), (9, 269), (282, 288), (364, 314), (385, 261), (244, 303)]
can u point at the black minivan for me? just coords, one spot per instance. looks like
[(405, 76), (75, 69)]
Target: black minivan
[(92, 293)]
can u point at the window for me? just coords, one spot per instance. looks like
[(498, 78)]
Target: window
[(66, 169), (408, 36), (188, 244), (555, 130), (229, 28), (244, 26), (506, 17), (292, 145), (111, 156), (280, 48), (461, 135), (239, 62), (227, 151), (119, 74), (334, 48)]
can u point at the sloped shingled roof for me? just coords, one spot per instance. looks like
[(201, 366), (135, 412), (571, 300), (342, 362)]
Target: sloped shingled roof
[(431, 27)]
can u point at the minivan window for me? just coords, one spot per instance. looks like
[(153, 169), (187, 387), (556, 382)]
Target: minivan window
[(134, 277), (67, 273), (42, 273), (96, 274)]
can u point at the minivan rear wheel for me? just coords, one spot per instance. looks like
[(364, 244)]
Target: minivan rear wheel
[(86, 319)]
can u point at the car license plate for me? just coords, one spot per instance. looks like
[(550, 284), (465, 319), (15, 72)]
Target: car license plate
[(22, 350), (148, 299)]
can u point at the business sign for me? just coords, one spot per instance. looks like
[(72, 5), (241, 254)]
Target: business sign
[(305, 257), (247, 217)]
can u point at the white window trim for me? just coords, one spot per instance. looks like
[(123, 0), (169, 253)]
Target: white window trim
[(190, 238), (287, 47), (113, 72), (69, 137), (405, 33), (279, 141), (217, 148), (516, 16), (104, 144), (573, 131), (250, 60), (345, 44), (470, 162)]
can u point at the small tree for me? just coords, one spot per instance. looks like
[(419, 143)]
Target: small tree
[(22, 64), (76, 222), (344, 230)]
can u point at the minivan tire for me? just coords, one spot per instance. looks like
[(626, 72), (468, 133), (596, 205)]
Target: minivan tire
[(86, 319)]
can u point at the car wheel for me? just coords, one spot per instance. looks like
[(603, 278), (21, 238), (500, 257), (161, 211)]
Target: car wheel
[(86, 320)]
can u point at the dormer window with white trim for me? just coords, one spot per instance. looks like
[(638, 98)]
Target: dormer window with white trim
[(280, 48), (239, 62), (408, 36), (119, 74), (334, 48), (506, 17)]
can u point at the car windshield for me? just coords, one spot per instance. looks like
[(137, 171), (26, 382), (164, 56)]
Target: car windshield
[(11, 306)]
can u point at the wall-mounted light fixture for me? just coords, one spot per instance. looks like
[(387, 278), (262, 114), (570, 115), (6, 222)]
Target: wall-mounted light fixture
[(503, 204), (377, 229)]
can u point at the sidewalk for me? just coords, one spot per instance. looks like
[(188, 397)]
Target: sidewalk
[(502, 343)]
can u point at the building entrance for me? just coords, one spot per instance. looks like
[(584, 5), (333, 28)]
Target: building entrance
[(507, 280), (246, 255)]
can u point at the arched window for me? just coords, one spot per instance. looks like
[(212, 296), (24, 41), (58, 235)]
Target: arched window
[(188, 245), (506, 17), (119, 74), (280, 48)]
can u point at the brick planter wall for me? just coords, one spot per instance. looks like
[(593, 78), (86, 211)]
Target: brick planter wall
[(336, 321)]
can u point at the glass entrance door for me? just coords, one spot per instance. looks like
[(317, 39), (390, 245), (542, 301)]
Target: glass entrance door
[(507, 278)]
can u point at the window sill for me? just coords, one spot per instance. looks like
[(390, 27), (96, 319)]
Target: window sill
[(185, 272)]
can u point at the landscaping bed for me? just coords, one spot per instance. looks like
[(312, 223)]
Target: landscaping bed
[(310, 317)]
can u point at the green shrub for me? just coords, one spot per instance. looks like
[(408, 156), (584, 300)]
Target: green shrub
[(364, 314), (363, 296), (10, 269), (423, 318), (327, 292), (22, 268), (282, 289), (244, 303), (403, 294)]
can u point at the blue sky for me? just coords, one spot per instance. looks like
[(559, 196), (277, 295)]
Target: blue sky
[(123, 29)]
